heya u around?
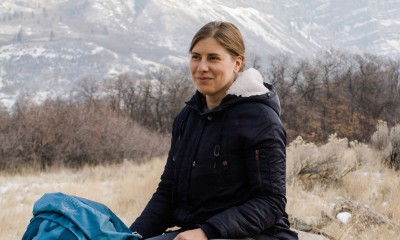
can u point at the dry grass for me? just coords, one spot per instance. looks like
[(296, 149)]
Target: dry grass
[(127, 187), (369, 186), (124, 188)]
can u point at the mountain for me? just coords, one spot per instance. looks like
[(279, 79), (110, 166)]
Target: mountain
[(47, 46)]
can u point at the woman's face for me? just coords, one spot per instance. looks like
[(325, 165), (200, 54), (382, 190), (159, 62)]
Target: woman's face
[(213, 68)]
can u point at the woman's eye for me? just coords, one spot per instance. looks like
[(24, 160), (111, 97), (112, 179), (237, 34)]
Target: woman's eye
[(195, 57), (213, 58)]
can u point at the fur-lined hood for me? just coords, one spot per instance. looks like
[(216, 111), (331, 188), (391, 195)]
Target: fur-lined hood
[(248, 83)]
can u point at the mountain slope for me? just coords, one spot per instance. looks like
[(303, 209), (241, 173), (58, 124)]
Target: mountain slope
[(47, 46)]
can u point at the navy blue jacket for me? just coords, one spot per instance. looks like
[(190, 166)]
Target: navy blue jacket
[(225, 171)]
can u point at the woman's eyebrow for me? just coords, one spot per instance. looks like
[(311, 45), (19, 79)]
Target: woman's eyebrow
[(208, 54), (194, 53)]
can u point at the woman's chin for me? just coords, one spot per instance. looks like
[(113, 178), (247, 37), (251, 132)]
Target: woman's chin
[(204, 90)]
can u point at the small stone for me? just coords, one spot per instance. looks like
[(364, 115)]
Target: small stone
[(344, 217)]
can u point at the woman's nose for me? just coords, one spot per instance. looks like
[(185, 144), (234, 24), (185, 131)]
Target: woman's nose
[(203, 66)]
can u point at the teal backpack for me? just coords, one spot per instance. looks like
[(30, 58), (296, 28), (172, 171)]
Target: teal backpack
[(62, 216)]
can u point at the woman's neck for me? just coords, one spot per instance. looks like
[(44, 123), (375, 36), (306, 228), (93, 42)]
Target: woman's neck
[(213, 101)]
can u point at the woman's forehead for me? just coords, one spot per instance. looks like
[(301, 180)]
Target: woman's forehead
[(208, 45)]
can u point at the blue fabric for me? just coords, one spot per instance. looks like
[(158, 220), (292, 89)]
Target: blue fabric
[(58, 215)]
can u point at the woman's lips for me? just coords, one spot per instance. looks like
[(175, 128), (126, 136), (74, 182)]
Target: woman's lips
[(203, 79)]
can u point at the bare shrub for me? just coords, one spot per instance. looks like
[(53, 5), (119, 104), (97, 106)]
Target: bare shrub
[(387, 141), (393, 160), (380, 138), (299, 152), (325, 165), (58, 132)]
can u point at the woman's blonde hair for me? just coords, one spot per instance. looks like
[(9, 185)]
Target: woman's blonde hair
[(227, 34)]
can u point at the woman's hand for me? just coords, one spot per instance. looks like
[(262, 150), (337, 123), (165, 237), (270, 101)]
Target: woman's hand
[(195, 234)]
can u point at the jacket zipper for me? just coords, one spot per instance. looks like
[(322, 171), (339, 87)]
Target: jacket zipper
[(259, 170)]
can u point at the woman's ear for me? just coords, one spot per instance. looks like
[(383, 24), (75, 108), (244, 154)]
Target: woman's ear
[(238, 64)]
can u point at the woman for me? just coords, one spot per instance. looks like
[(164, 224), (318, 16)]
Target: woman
[(225, 173)]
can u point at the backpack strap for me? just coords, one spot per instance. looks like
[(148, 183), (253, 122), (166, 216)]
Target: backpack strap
[(33, 228), (48, 222)]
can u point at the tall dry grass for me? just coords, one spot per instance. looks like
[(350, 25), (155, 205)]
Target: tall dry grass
[(356, 177), (343, 176), (125, 188)]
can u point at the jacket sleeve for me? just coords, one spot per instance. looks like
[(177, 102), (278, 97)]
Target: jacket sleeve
[(155, 218), (265, 159)]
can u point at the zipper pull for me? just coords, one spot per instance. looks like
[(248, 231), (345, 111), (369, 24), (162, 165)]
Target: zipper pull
[(216, 154), (216, 150)]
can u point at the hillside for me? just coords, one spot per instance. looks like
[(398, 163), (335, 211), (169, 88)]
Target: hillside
[(46, 47)]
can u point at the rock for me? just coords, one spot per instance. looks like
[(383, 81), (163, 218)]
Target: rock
[(344, 217)]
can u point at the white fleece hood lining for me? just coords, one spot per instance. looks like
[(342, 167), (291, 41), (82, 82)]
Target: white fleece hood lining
[(248, 83)]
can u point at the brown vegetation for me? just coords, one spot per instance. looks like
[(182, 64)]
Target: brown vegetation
[(368, 190), (336, 93), (68, 134)]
